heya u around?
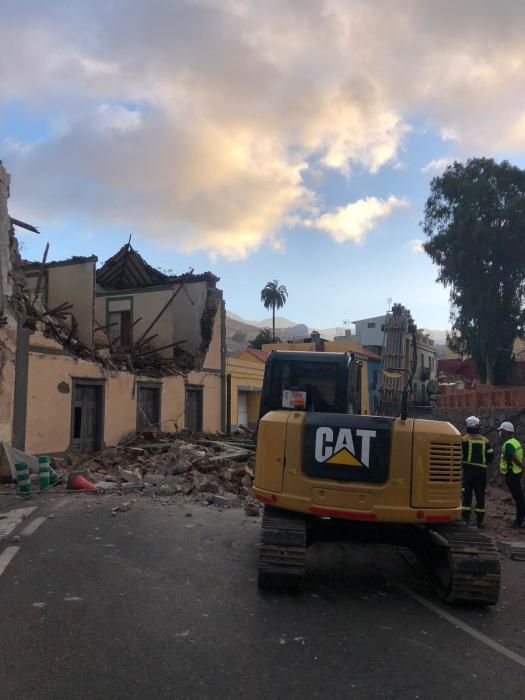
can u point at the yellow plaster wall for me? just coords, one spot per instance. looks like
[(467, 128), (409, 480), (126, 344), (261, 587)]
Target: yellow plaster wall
[(247, 376)]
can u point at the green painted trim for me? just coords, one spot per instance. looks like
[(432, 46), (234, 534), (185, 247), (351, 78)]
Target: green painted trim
[(123, 298), (139, 290)]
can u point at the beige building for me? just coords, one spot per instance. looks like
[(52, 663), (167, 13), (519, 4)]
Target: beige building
[(134, 349), (245, 374)]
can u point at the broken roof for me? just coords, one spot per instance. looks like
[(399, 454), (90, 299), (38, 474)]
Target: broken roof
[(127, 269), (74, 260)]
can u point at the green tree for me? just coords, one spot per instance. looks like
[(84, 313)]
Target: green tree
[(274, 297), (475, 223), (263, 338)]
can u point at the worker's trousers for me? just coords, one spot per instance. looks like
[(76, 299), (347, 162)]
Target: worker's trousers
[(474, 482), (514, 483)]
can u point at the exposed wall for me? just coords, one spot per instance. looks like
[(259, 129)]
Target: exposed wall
[(214, 354), (145, 304), (8, 332), (75, 284), (180, 321), (186, 316)]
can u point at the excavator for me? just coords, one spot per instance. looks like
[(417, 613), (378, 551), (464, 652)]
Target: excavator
[(325, 470)]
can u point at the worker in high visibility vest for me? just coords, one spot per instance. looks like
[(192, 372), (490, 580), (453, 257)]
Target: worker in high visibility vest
[(511, 466), (477, 454)]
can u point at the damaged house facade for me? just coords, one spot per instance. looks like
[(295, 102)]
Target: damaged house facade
[(102, 354)]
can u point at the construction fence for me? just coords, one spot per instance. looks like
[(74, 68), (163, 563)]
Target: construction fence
[(482, 396)]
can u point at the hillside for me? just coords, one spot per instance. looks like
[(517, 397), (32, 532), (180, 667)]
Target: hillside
[(240, 332)]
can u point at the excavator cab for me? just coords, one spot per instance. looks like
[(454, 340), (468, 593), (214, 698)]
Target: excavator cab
[(304, 381)]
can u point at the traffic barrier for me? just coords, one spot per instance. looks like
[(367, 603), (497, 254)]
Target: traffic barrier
[(44, 475), (23, 479)]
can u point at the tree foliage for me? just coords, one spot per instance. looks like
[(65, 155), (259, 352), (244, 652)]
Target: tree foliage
[(263, 338), (475, 223), (274, 296)]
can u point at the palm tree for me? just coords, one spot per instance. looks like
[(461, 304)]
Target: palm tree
[(274, 297)]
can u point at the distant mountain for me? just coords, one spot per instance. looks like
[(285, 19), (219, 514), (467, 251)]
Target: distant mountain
[(290, 330), (280, 322)]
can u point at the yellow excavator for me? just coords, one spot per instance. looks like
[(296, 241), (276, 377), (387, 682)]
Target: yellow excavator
[(326, 470)]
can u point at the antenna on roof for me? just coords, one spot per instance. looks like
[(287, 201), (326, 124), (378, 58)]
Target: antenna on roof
[(129, 242)]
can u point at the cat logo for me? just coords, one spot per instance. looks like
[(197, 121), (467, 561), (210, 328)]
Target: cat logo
[(339, 448)]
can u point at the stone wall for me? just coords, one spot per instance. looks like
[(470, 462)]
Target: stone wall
[(491, 419)]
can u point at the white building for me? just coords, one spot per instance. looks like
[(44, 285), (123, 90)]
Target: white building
[(370, 332)]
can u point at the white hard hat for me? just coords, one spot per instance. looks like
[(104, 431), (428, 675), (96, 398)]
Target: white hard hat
[(507, 426), (472, 422)]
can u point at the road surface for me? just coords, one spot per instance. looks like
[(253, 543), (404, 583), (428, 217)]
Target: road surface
[(152, 603)]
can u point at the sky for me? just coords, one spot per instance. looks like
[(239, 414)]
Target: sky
[(287, 139)]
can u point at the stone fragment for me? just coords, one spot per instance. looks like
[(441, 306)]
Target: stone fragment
[(226, 500), (252, 508)]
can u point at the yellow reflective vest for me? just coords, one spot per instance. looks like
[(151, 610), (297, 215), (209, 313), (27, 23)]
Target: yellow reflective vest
[(506, 462)]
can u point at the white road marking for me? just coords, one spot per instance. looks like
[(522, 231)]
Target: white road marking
[(512, 655), (61, 503), (12, 519), (6, 556), (33, 525)]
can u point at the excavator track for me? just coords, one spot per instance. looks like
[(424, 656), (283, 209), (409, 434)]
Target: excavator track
[(466, 564), (282, 555)]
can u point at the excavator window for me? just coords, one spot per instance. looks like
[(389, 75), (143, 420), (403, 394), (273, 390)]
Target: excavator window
[(323, 386)]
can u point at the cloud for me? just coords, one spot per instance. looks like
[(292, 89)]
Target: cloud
[(437, 166), (416, 245), (352, 222), (211, 124)]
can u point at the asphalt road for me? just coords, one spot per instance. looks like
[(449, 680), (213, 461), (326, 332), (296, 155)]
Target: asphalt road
[(154, 604)]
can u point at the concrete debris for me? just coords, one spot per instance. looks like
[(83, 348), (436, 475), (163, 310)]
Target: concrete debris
[(130, 476), (123, 507), (251, 508), (106, 486), (227, 500), (207, 469)]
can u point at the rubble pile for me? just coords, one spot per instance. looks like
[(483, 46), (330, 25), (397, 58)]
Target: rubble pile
[(207, 469)]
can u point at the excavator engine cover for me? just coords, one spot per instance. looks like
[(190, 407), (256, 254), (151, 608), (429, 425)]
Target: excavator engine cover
[(347, 447)]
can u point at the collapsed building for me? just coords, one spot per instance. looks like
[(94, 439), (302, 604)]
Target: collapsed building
[(90, 356)]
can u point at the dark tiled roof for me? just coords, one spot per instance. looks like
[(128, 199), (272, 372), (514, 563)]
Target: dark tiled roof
[(128, 270)]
